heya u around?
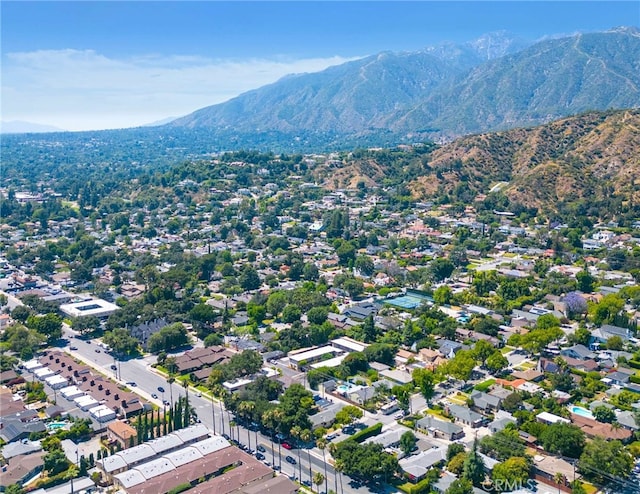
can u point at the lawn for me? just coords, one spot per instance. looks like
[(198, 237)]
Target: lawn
[(459, 398), (484, 386)]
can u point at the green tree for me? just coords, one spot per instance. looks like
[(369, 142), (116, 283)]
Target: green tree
[(348, 414), (454, 449), (121, 342), (49, 325), (605, 414), (425, 380), (456, 464), (55, 461), (21, 313), (346, 253), (88, 324), (202, 313), (291, 313), (511, 472), (601, 457), (564, 439), (606, 310), (496, 362), (615, 343), (460, 486), (249, 278), (317, 315), (364, 264), (502, 444), (168, 338), (585, 281), (441, 269), (14, 489), (482, 350), (473, 468), (546, 321), (461, 366), (443, 295), (408, 441), (276, 302)]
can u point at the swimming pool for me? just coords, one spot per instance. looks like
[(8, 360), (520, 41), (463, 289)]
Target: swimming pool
[(583, 412), (343, 388), (56, 425)]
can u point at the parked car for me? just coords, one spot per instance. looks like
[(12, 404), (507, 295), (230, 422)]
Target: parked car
[(154, 396), (349, 430), (226, 436), (161, 389), (260, 456), (332, 436), (261, 448), (97, 350), (73, 348), (290, 459), (286, 445), (113, 367)]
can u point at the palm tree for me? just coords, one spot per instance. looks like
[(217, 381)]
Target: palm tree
[(187, 419), (278, 415), (296, 432), (170, 381), (269, 422), (318, 479), (306, 436), (213, 414), (558, 478), (322, 445), (339, 468), (245, 409)]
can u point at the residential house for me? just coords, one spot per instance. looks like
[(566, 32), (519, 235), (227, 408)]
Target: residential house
[(122, 433), (588, 365), (465, 415), (593, 428), (485, 403), (326, 417), (449, 348), (627, 420), (602, 334), (389, 438), (618, 378), (21, 469), (440, 428), (416, 467), (20, 425), (403, 356), (579, 352)]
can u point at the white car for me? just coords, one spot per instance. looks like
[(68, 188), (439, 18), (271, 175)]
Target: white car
[(399, 415)]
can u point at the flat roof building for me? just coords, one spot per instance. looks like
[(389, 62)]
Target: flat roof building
[(93, 307)]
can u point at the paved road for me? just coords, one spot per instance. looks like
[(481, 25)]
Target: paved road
[(148, 381)]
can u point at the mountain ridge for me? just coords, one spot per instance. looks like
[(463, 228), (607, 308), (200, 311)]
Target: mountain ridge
[(420, 93)]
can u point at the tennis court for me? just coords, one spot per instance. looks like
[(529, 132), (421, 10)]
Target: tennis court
[(410, 300)]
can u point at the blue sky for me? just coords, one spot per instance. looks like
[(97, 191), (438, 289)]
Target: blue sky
[(89, 65)]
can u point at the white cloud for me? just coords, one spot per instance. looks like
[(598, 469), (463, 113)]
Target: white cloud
[(82, 89)]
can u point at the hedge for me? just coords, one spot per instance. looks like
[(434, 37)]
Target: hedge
[(180, 488), (634, 379), (634, 363), (423, 486), (374, 430)]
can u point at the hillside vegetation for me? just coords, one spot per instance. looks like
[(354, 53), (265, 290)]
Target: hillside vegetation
[(591, 158)]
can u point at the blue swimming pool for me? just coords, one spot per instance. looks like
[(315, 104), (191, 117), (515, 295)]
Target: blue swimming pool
[(583, 412)]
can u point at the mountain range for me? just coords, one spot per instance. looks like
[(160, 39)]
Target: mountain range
[(494, 83), (22, 127)]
